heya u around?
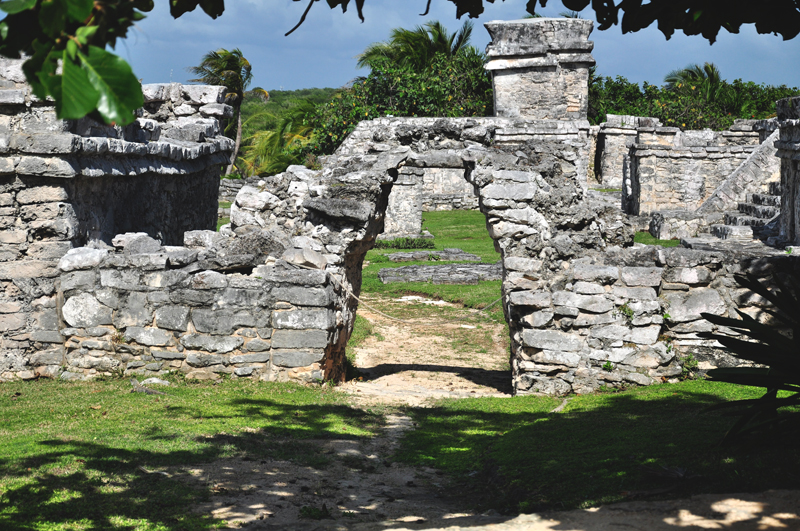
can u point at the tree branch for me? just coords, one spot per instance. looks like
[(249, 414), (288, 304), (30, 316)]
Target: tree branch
[(302, 19)]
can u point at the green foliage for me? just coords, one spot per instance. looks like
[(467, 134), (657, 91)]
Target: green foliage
[(414, 50), (451, 86), (776, 347), (689, 365), (406, 243), (688, 101), (315, 513), (608, 366), (261, 113), (626, 311)]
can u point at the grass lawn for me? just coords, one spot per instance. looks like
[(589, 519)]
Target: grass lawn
[(73, 454), (515, 456), (462, 229), (648, 239)]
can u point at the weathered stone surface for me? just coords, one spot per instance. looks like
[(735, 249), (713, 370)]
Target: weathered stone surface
[(302, 319), (83, 310), (260, 357), (537, 300), (148, 336), (221, 345), (551, 340), (295, 358), (305, 258), (684, 307), (167, 354), (602, 274), (173, 317), (642, 276), (299, 339), (257, 345), (200, 359), (302, 296)]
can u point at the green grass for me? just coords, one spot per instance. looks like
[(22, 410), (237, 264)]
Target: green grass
[(225, 204), (71, 452), (512, 455), (607, 190), (222, 221), (648, 239), (462, 229)]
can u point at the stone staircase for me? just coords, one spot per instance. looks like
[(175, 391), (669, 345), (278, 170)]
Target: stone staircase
[(746, 222)]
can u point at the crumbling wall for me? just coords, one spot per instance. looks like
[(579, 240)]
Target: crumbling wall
[(788, 146), (679, 170), (68, 183)]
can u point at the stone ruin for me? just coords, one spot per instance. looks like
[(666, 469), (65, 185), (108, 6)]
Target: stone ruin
[(273, 295)]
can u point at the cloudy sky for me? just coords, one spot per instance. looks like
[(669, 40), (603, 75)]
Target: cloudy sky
[(321, 53)]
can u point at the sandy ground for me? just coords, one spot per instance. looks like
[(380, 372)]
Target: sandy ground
[(362, 489)]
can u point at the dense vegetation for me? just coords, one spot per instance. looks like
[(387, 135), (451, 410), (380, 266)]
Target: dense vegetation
[(691, 104)]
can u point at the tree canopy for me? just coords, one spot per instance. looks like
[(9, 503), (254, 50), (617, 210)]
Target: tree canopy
[(74, 33)]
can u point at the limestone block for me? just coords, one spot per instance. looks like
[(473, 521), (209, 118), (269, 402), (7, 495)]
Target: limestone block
[(172, 317), (42, 194), (537, 299), (303, 319), (83, 310), (296, 358), (516, 263), (642, 276), (683, 307), (588, 288), (305, 257), (591, 273), (12, 321), (46, 167), (12, 96), (200, 359), (552, 340), (120, 241), (538, 319), (567, 359), (257, 345), (300, 339), (219, 110), (81, 258), (152, 337), (688, 275), (220, 345), (258, 357), (203, 94), (223, 323), (251, 198), (302, 296), (135, 312), (208, 280), (167, 355)]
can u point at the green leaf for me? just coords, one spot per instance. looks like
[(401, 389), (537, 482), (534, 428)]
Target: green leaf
[(72, 49), (119, 90), (79, 10), (53, 17), (74, 94), (13, 7), (85, 33)]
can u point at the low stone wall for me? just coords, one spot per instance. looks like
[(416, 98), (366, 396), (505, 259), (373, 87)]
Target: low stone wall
[(146, 309), (628, 316), (615, 138), (64, 184), (679, 224)]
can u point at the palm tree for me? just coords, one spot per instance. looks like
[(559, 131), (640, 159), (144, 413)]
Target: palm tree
[(272, 151), (230, 69), (416, 48), (707, 78)]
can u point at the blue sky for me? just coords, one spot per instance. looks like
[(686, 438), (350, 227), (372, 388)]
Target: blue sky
[(321, 53)]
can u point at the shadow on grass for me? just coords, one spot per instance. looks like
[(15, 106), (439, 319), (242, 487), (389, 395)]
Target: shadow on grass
[(77, 482), (515, 456), (500, 380)]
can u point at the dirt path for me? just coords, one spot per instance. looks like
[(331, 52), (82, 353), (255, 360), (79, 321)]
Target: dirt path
[(362, 489), (459, 354)]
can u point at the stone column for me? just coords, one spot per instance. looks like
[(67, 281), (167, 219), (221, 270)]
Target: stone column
[(788, 146), (540, 68)]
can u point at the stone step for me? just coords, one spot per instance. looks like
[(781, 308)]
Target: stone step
[(732, 232), (775, 188), (758, 211), (764, 199), (739, 219)]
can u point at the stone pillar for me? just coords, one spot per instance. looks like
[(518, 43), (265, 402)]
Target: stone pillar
[(615, 139), (788, 146), (404, 212), (540, 68)]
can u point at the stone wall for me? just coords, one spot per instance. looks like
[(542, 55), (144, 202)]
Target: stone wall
[(614, 140), (628, 316), (788, 146), (672, 170), (416, 188), (540, 68), (65, 184)]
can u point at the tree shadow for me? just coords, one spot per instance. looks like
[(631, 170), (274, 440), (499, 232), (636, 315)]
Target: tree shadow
[(499, 380)]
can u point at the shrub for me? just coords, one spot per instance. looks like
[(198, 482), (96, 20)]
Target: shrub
[(405, 243), (778, 353)]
